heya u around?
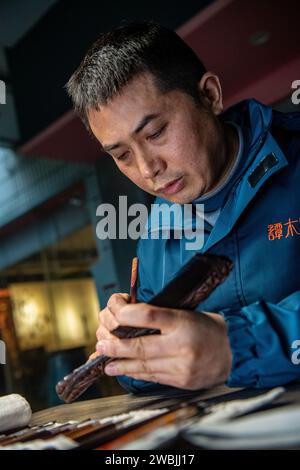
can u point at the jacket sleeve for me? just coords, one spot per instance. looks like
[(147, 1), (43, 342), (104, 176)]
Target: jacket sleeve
[(264, 339)]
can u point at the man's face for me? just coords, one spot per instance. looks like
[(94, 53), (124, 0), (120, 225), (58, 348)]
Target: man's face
[(164, 143)]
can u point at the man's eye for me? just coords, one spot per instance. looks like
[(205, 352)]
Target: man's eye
[(158, 133), (122, 157)]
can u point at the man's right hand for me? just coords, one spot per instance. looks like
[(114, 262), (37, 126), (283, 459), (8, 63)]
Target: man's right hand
[(107, 320)]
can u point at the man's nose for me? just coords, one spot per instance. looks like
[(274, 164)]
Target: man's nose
[(150, 166)]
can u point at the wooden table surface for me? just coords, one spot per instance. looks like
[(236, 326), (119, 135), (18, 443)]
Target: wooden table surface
[(108, 406)]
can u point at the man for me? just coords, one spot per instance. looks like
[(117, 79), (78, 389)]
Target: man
[(154, 108)]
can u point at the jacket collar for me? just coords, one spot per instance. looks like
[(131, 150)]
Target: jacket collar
[(268, 161)]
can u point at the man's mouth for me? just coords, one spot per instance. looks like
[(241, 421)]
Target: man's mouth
[(173, 187)]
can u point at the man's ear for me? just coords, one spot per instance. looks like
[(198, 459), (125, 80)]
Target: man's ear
[(211, 92)]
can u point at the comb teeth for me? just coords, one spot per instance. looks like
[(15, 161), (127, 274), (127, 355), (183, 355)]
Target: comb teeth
[(191, 286)]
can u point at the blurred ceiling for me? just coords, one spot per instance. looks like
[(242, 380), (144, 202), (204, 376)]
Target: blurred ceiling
[(254, 46), (69, 258)]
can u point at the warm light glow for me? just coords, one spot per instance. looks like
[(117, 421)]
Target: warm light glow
[(31, 313), (70, 326), (77, 310), (71, 307)]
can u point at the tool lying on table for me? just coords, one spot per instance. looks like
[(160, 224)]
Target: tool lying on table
[(216, 423), (191, 286)]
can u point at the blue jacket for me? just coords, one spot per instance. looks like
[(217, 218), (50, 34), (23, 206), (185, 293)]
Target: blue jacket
[(259, 229)]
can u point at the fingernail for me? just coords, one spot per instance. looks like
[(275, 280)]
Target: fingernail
[(111, 369)]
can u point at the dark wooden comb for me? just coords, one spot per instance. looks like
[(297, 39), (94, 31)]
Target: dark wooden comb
[(193, 283)]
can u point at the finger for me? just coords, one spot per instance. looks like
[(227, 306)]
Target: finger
[(107, 315), (116, 301), (104, 333), (148, 316), (108, 320), (151, 367), (93, 356), (143, 347)]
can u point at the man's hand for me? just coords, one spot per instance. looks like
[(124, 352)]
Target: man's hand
[(192, 351), (107, 317)]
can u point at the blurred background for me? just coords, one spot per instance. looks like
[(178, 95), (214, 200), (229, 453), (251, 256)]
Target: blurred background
[(55, 274)]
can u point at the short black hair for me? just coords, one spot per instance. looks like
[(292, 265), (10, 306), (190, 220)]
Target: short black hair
[(129, 50)]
